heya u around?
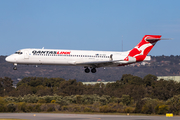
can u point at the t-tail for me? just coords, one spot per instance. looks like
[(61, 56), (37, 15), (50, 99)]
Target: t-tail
[(140, 51)]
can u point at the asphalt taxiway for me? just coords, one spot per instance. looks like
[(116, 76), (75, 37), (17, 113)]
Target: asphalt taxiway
[(61, 116)]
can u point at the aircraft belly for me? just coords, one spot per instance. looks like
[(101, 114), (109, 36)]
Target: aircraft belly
[(43, 60), (54, 61)]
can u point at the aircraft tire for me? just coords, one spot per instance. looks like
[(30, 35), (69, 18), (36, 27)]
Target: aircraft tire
[(15, 68), (87, 70), (93, 70)]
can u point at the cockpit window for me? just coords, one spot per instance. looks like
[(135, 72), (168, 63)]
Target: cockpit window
[(18, 52)]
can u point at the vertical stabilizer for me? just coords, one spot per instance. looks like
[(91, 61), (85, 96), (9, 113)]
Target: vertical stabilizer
[(141, 50)]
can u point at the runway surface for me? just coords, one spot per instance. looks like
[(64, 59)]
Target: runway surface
[(61, 116)]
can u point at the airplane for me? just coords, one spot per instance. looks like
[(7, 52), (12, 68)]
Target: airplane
[(89, 59)]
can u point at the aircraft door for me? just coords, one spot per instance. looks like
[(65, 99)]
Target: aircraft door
[(26, 55), (111, 57)]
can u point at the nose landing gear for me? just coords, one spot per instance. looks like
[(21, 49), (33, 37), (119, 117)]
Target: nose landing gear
[(15, 66)]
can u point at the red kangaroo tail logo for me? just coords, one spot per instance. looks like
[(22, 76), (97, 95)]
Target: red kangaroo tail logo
[(141, 50)]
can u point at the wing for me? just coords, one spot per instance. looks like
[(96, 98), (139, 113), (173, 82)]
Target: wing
[(97, 64)]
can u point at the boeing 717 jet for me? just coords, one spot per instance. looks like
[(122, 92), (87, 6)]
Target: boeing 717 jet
[(90, 60)]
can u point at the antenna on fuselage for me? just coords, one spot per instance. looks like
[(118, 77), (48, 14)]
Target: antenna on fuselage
[(122, 43), (43, 48)]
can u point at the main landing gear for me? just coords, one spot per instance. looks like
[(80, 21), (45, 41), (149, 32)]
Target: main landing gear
[(87, 70)]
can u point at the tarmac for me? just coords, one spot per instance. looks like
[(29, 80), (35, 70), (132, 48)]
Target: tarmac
[(61, 116)]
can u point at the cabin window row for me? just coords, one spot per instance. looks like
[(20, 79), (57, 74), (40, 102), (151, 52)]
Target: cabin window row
[(97, 56)]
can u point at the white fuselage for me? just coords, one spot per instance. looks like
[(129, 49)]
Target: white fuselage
[(66, 57)]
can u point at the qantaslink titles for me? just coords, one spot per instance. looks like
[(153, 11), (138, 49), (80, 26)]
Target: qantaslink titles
[(51, 52)]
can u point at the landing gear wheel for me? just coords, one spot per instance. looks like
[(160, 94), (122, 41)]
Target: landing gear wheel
[(87, 70), (15, 68), (93, 70)]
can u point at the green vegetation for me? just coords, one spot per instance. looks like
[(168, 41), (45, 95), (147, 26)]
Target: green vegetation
[(30, 103), (130, 94)]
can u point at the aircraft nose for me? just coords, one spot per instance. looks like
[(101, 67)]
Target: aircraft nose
[(10, 59)]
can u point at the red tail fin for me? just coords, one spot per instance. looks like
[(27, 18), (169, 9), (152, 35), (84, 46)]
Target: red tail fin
[(141, 50)]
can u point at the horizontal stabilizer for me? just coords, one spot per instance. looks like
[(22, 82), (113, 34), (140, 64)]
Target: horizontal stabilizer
[(154, 39), (166, 38)]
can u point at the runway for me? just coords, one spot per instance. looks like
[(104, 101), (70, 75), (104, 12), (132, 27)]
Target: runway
[(61, 116)]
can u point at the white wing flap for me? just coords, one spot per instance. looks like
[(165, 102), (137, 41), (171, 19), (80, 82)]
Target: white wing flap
[(98, 63)]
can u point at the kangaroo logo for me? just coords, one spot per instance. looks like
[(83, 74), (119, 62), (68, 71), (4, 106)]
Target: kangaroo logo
[(141, 50)]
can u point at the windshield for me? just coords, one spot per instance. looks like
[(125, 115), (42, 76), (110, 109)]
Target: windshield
[(18, 52)]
